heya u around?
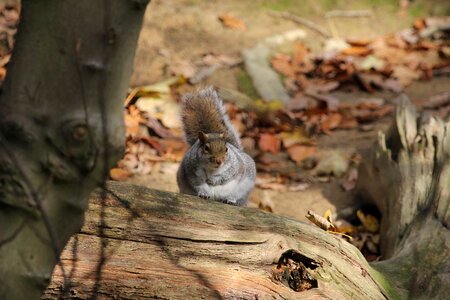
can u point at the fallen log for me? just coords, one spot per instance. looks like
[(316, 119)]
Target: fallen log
[(140, 243)]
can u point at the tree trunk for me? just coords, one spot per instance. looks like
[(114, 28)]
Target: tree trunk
[(60, 128), (163, 245)]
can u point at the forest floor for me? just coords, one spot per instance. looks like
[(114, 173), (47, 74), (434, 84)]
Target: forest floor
[(186, 30)]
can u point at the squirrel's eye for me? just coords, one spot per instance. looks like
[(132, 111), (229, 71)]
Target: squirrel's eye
[(226, 150)]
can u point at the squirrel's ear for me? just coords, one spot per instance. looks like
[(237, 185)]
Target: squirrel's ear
[(202, 137)]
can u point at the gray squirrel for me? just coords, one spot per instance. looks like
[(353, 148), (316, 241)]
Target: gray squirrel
[(215, 167)]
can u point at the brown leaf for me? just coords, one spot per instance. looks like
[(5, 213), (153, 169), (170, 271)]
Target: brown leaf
[(295, 137), (300, 102), (358, 42), (132, 125), (230, 21), (282, 64), (384, 111), (356, 51), (332, 102), (366, 115), (119, 174), (320, 221), (348, 123), (370, 103), (2, 73), (331, 122), (368, 82), (437, 100), (300, 152), (369, 222), (269, 142), (300, 52)]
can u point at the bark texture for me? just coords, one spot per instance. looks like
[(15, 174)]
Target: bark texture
[(60, 128), (407, 175), (162, 245)]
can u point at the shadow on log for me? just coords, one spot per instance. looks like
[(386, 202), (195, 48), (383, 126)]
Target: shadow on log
[(164, 245)]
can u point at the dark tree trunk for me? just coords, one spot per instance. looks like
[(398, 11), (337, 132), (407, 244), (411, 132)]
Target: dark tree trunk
[(60, 128)]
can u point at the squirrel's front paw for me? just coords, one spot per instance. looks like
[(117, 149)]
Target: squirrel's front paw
[(203, 195)]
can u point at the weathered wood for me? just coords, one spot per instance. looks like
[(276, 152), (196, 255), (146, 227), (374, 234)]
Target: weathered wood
[(171, 246), (407, 175)]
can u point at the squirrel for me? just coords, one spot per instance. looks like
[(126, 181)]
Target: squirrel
[(215, 166)]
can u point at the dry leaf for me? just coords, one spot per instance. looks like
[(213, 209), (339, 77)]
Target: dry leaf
[(232, 22), (331, 122), (298, 187), (266, 202), (370, 223), (282, 64), (370, 103), (334, 164), (269, 142), (300, 102), (300, 152), (357, 51), (348, 123), (437, 100), (164, 109), (327, 215), (297, 136), (132, 124), (119, 174), (320, 221)]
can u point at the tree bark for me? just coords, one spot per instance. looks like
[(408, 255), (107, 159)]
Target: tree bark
[(407, 175), (163, 245), (60, 128)]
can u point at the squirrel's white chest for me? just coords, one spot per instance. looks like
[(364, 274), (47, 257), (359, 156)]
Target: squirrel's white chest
[(225, 191)]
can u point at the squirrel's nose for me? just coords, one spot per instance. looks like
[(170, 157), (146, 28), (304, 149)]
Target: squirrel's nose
[(218, 162)]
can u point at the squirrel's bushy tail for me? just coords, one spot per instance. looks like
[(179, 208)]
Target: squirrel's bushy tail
[(204, 111)]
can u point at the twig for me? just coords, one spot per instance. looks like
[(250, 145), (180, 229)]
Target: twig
[(301, 21), (349, 13)]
